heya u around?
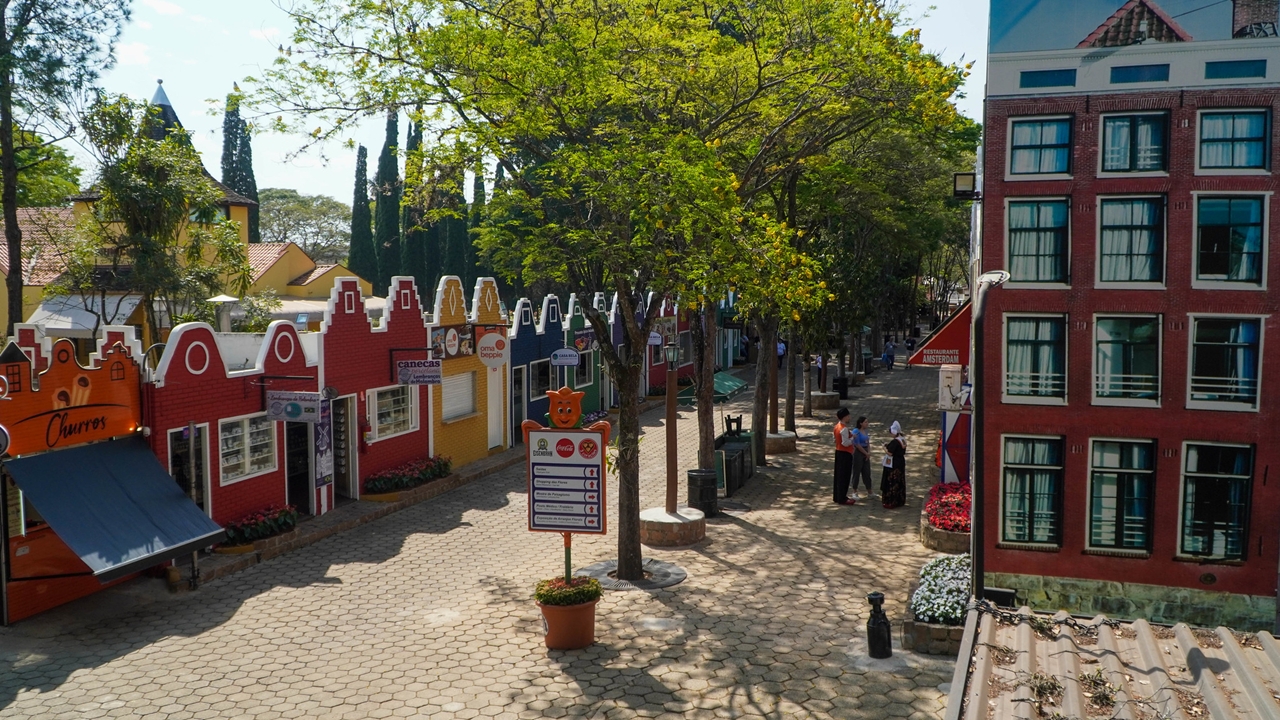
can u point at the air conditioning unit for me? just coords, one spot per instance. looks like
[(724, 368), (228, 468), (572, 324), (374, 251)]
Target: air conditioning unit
[(953, 388)]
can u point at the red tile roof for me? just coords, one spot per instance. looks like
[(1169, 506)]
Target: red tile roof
[(1124, 26), (306, 277), (43, 230), (263, 255)]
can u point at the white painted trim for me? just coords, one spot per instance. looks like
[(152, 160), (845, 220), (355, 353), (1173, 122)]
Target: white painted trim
[(1267, 142), (371, 408)]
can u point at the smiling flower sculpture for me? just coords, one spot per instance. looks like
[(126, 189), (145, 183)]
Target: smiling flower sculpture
[(566, 407)]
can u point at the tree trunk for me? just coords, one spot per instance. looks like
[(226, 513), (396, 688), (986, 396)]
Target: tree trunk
[(9, 198), (793, 349), (630, 562), (704, 337), (808, 387), (765, 363), (855, 356), (773, 379)]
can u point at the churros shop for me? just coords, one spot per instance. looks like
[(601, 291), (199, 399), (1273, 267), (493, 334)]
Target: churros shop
[(86, 502)]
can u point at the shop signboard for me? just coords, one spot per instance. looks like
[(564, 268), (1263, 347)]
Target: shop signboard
[(453, 341), (419, 372), (293, 406), (566, 481), (493, 346), (565, 357), (584, 340)]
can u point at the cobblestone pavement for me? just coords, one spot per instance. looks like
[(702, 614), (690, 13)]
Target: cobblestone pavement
[(427, 612)]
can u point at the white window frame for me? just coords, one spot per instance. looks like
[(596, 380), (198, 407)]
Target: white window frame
[(371, 409), (1088, 500), (1062, 494), (1102, 137), (1101, 284), (1009, 176), (1267, 142), (586, 358), (1093, 364), (474, 390), (1199, 284), (223, 481), (1182, 502), (1191, 345), (1008, 231), (1008, 399)]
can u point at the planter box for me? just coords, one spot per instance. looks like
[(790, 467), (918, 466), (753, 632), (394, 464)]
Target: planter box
[(953, 543), (928, 638)]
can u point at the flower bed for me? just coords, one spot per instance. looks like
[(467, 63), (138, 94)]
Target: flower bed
[(948, 506), (407, 476), (262, 524), (596, 416), (938, 606)]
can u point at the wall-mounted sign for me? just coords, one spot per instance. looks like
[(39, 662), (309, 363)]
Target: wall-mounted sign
[(293, 406), (73, 404), (566, 481), (493, 349), (564, 357), (419, 372), (324, 445), (453, 341), (655, 338), (584, 340)]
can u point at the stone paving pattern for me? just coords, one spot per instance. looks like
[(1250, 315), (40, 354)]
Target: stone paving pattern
[(428, 612)]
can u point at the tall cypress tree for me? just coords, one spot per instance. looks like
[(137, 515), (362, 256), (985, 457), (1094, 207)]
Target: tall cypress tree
[(413, 248), (474, 218), (433, 247), (362, 259), (454, 238), (386, 220), (237, 160)]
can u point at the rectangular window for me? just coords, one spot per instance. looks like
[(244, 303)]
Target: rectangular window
[(1224, 360), (1032, 490), (1038, 241), (1047, 78), (1040, 147), (1234, 140), (1127, 358), (1036, 357), (539, 379), (1231, 69), (584, 373), (686, 348), (1120, 489), (1229, 244), (395, 411), (458, 395), (1139, 74), (1132, 248), (247, 447), (1215, 500), (1134, 143), (13, 378)]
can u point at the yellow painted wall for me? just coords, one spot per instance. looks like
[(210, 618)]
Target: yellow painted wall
[(319, 288), (292, 263)]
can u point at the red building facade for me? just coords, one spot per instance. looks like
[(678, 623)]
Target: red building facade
[(1127, 383)]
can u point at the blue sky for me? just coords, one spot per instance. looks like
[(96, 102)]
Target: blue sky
[(200, 47)]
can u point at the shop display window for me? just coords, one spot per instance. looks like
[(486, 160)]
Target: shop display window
[(247, 447)]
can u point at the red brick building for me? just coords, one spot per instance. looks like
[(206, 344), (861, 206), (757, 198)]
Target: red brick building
[(1127, 388)]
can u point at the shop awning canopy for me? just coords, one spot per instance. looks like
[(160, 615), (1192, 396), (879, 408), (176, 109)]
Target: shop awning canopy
[(949, 344), (114, 506), (726, 388)]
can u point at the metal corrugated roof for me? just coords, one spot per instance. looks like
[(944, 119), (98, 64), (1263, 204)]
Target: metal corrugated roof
[(1029, 665)]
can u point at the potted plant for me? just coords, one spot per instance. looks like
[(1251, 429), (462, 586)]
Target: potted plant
[(938, 606), (944, 523), (568, 606)]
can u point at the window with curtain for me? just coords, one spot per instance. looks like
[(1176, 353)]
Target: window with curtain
[(1032, 498), (1215, 500), (1036, 357), (1132, 248), (1236, 140), (1229, 244), (1224, 360), (1120, 489), (1134, 143), (1038, 241), (1040, 147), (1127, 358)]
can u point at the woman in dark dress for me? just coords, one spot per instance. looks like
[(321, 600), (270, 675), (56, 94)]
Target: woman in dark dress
[(893, 481)]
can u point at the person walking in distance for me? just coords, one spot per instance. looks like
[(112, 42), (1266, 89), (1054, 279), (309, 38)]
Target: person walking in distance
[(861, 457), (844, 459)]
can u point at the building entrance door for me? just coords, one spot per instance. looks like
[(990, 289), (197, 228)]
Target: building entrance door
[(517, 404), (299, 486), (180, 464), (345, 478)]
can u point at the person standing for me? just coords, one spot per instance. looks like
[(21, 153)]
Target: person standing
[(911, 350), (861, 457), (822, 373), (888, 354), (893, 480), (844, 459), (782, 351)]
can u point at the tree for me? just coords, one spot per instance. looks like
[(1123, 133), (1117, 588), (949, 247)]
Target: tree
[(47, 174), (50, 52), (237, 161), (413, 259), (451, 218), (318, 224), (362, 258), (386, 221)]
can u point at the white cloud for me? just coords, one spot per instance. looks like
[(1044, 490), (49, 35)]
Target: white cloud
[(144, 24), (199, 18), (164, 7), (265, 33), (134, 53)]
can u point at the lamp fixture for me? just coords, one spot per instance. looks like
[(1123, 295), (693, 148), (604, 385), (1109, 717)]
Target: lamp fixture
[(964, 186)]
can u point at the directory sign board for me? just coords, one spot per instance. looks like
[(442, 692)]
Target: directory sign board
[(566, 481)]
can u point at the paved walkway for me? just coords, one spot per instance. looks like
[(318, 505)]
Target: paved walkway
[(428, 612)]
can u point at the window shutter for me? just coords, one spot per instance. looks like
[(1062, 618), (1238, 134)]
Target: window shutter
[(458, 395)]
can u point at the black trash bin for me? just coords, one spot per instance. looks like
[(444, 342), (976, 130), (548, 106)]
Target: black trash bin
[(703, 491), (841, 385)]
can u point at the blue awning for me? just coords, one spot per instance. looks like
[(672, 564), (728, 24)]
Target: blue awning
[(114, 506)]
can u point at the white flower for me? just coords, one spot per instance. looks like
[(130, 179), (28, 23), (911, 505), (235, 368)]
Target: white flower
[(943, 595)]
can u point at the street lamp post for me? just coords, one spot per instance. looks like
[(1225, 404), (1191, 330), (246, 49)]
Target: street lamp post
[(986, 281), (673, 356)]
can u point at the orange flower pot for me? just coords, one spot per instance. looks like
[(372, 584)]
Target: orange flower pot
[(569, 627)]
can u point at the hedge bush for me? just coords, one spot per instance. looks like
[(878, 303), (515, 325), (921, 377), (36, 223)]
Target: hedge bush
[(262, 524), (574, 592)]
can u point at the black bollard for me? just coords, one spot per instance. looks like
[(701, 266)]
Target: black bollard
[(879, 633)]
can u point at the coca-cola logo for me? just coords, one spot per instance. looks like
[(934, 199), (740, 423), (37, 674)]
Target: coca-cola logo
[(564, 447)]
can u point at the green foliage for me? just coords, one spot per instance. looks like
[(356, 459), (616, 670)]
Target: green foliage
[(409, 475), (413, 249), (47, 174), (362, 258), (386, 220), (558, 591), (318, 224), (261, 525), (257, 312), (237, 161)]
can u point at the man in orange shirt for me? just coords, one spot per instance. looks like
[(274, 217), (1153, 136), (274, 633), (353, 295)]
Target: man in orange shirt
[(844, 458)]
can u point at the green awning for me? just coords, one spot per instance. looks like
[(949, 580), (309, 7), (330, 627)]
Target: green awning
[(726, 388)]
